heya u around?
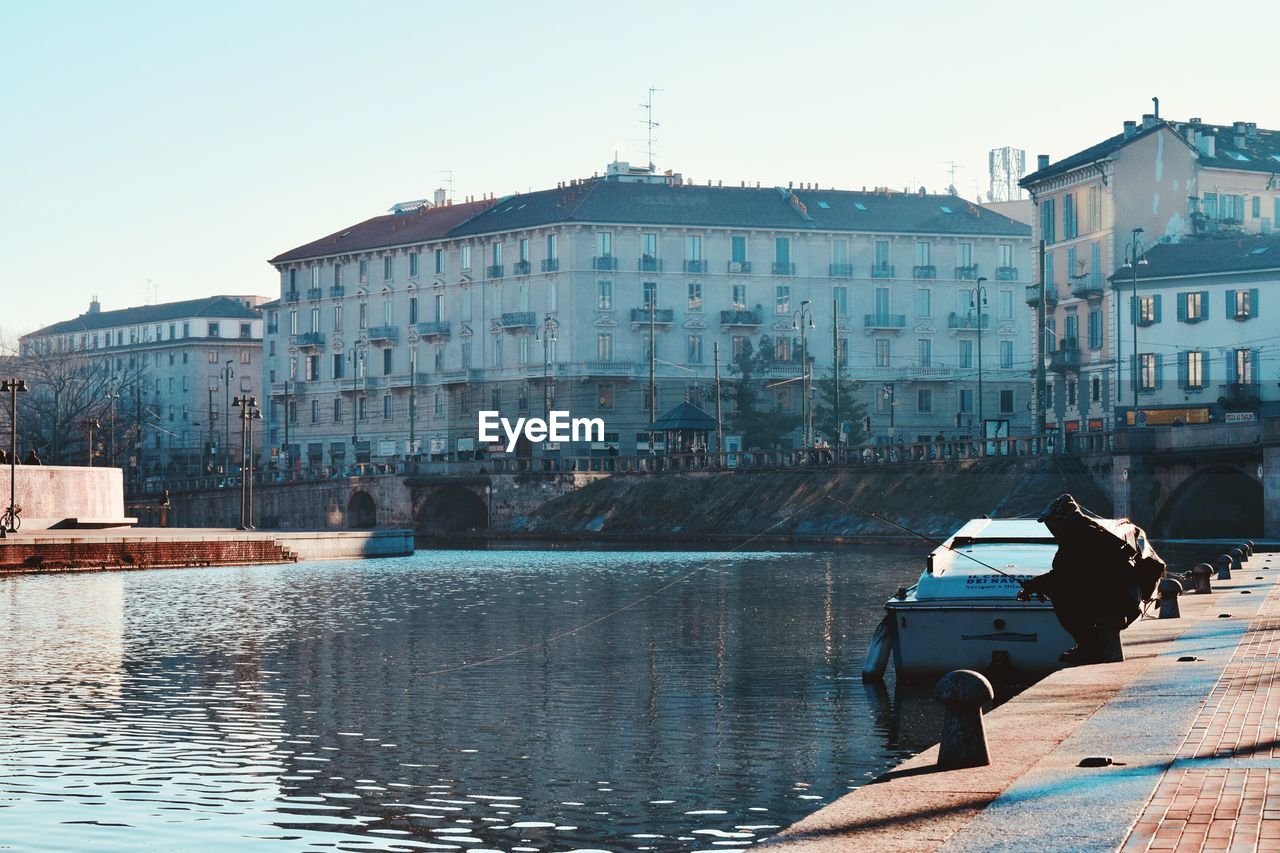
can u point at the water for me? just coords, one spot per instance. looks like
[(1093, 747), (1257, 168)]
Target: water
[(325, 706)]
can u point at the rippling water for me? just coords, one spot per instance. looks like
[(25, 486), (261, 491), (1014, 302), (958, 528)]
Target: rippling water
[(322, 705)]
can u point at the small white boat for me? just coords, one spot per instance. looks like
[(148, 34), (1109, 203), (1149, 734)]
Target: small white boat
[(963, 615)]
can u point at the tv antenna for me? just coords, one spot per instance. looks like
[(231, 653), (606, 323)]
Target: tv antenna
[(650, 124), (152, 292), (952, 168), (449, 181)]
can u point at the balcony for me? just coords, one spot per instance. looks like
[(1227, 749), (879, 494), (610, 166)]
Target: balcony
[(516, 320), (494, 271), (1067, 357), (384, 333), (741, 317), (314, 293), (1240, 394), (969, 272), (661, 316), (1050, 295), (434, 329), (740, 267), (375, 381), (885, 321), (924, 271), (967, 321), (596, 368), (648, 264), (1090, 288), (337, 291), (550, 264), (840, 270), (695, 266), (291, 296), (1006, 273), (784, 268), (882, 271), (309, 339), (456, 376), (521, 268), (604, 262)]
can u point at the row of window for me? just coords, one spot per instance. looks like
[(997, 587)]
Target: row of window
[(1193, 306), (1075, 221), (1242, 368), (144, 334)]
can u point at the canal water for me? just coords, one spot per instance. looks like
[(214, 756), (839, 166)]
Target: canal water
[(446, 701)]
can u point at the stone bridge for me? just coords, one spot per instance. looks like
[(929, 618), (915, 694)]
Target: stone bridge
[(1200, 481)]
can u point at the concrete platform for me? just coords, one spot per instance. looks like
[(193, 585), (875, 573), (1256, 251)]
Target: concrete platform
[(1188, 718)]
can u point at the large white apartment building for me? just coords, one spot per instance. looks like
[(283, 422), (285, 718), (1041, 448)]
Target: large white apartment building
[(506, 303), (164, 375)]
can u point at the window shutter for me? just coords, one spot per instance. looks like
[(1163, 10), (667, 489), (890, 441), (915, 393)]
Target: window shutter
[(1182, 307), (1184, 369), (1231, 304), (1206, 374), (1253, 302), (1133, 370), (1159, 369), (1232, 374), (1204, 304), (1157, 307), (1255, 375)]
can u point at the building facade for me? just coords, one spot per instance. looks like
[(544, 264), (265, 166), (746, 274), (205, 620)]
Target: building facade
[(159, 380), (1203, 354), (547, 300), (1173, 181)]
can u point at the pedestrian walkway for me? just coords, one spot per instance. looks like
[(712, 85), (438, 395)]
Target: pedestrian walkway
[(1188, 720)]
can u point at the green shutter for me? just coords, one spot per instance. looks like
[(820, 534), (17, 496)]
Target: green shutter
[(1133, 371), (1255, 366), (1184, 369), (1253, 302), (1182, 307), (1204, 305), (1231, 304), (1157, 307), (1159, 370)]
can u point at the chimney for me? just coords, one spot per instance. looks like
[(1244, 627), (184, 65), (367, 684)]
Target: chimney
[(440, 197), (1130, 128), (1042, 161), (1189, 134), (1239, 128), (1206, 144), (94, 306), (1251, 130), (1148, 120)]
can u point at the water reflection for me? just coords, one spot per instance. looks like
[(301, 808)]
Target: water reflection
[(301, 706)]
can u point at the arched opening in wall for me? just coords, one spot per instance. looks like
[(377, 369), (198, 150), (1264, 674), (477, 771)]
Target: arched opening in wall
[(362, 512), (450, 509), (1216, 503)]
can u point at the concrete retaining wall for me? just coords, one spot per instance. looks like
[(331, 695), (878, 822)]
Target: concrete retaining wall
[(50, 494)]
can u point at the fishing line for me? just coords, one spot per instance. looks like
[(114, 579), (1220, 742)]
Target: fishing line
[(584, 626), (928, 539)]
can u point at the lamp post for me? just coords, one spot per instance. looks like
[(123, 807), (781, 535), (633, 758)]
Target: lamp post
[(886, 393), (802, 321), (413, 402), (113, 394), (288, 459), (12, 387), (249, 412), (90, 424), (980, 299), (1134, 257), (357, 362), (546, 333), (227, 375), (651, 297)]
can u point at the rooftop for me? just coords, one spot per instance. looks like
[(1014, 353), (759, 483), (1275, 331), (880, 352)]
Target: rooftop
[(1208, 255), (220, 307)]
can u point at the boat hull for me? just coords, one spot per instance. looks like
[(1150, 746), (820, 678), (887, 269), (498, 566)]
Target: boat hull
[(1016, 638)]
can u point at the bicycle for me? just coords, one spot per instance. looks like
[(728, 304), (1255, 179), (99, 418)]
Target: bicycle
[(12, 518)]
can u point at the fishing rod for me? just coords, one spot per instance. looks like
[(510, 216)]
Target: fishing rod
[(928, 539)]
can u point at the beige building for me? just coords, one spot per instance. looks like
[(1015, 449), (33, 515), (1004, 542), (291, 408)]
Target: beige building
[(1174, 180)]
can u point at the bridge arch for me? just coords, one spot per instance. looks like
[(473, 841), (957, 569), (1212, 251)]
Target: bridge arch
[(1219, 502), (362, 512), (450, 509)]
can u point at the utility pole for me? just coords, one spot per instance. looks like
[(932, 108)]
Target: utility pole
[(979, 297), (803, 320), (113, 394), (835, 372), (1041, 320), (653, 349), (288, 458), (137, 458), (227, 375), (715, 348), (413, 397)]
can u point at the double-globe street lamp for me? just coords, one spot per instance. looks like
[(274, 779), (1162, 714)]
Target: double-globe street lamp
[(12, 387), (802, 321), (978, 298), (1134, 256), (249, 412)]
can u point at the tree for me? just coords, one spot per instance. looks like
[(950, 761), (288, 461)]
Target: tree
[(852, 410), (749, 415)]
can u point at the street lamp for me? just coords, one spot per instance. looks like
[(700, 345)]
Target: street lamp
[(249, 412), (9, 524), (357, 363), (802, 321), (886, 393), (979, 299), (113, 394), (546, 333), (1135, 257), (90, 424)]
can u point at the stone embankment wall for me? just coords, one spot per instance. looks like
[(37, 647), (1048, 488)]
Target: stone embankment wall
[(51, 494), (933, 499), (53, 555)]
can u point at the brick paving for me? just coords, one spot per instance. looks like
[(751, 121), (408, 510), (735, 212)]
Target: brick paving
[(1222, 792)]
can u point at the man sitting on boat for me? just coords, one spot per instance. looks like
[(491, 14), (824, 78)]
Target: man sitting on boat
[(1097, 582)]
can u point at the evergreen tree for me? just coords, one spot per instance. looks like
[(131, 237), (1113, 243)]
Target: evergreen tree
[(852, 410), (761, 426)]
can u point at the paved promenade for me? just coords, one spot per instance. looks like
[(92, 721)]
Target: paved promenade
[(1190, 720)]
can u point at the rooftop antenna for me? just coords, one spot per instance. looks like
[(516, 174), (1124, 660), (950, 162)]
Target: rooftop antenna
[(952, 168), (650, 124), (449, 181), (151, 292)]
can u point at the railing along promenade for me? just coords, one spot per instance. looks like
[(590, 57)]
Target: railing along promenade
[(921, 452)]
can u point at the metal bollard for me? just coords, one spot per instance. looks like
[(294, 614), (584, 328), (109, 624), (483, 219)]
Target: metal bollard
[(1237, 557), (963, 692), (1224, 563), (1169, 591), (1246, 548), (1201, 573)]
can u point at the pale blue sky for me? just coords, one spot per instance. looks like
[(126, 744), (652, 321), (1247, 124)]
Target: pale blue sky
[(187, 144)]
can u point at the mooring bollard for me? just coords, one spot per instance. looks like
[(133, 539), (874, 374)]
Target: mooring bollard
[(1237, 557), (1201, 573), (963, 692), (1247, 548), (1224, 566), (1169, 591)]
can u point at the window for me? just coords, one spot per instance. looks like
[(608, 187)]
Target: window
[(438, 407), (1048, 395), (386, 268), (337, 318), (364, 269), (604, 396), (214, 330), (437, 304), (840, 256), (245, 355), (315, 319), (1006, 400), (244, 331), (551, 247), (882, 352), (466, 305), (1006, 255), (1006, 355), (840, 296), (1093, 221), (495, 253), (1242, 366), (522, 249), (782, 251), (693, 248), (465, 257), (364, 315), (1191, 306), (604, 244), (213, 356), (924, 352), (966, 353), (1242, 304), (649, 294), (437, 359), (311, 368), (649, 247), (1071, 331), (1047, 225), (1006, 304), (413, 310), (882, 302), (386, 361), (782, 348), (604, 346), (1149, 371), (337, 365), (738, 249), (362, 408), (439, 255), (842, 352), (966, 401), (924, 254), (695, 296), (386, 406), (522, 349), (882, 255), (695, 349), (604, 296), (738, 345), (315, 411), (413, 265), (964, 254), (497, 351), (924, 302), (738, 295), (1050, 342), (1148, 310), (1191, 370), (782, 299), (1069, 216), (466, 355), (1095, 329), (924, 401)]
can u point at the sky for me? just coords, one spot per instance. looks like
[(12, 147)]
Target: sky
[(174, 147)]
